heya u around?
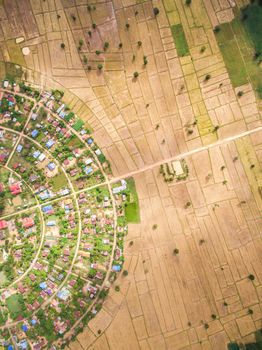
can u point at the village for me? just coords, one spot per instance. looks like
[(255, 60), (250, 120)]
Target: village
[(61, 228)]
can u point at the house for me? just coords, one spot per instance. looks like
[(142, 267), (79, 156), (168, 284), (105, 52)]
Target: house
[(28, 222), (3, 224), (88, 161), (50, 143), (42, 157), (15, 189), (98, 152), (88, 170), (51, 166), (48, 209), (36, 154), (120, 188), (19, 148), (34, 133), (116, 268), (43, 285), (2, 157), (63, 294)]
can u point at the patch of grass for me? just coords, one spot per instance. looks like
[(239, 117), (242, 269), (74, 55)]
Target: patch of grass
[(59, 181), (180, 40), (232, 55), (238, 41), (15, 53), (253, 24), (78, 125), (13, 72), (15, 305), (132, 206)]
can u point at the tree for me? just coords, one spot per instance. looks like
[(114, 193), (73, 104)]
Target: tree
[(139, 43), (216, 29), (207, 77), (100, 66), (251, 277), (156, 11), (127, 26), (106, 45), (125, 273), (120, 45), (136, 74), (62, 45), (73, 17), (85, 59), (176, 251), (94, 26), (188, 2), (240, 93)]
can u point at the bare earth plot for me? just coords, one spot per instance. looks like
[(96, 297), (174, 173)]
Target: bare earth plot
[(201, 297)]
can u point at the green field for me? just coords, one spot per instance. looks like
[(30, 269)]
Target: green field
[(59, 181), (180, 40), (13, 72), (253, 24), (238, 42), (15, 305), (132, 206)]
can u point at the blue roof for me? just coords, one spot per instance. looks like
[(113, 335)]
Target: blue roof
[(90, 141), (33, 322), (116, 268), (19, 148), (49, 143), (88, 170), (10, 347), (43, 285), (34, 133), (51, 166), (47, 208), (24, 328), (36, 154)]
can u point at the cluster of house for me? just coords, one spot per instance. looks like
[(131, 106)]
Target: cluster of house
[(97, 234), (13, 114)]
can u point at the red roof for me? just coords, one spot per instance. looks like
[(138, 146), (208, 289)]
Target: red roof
[(15, 188), (3, 224), (2, 157), (28, 222)]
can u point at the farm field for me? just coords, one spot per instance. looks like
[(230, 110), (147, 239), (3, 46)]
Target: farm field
[(131, 179)]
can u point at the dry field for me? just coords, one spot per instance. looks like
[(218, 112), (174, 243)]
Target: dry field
[(167, 300)]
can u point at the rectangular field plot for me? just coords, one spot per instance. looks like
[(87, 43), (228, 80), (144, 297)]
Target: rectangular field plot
[(180, 40)]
